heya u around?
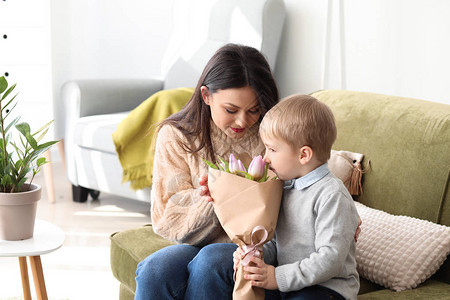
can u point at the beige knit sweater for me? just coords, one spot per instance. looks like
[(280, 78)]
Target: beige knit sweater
[(178, 211)]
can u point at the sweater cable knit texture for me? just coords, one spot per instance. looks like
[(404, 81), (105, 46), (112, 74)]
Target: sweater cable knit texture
[(178, 211)]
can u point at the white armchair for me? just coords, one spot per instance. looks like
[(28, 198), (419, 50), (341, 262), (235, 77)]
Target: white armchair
[(94, 108)]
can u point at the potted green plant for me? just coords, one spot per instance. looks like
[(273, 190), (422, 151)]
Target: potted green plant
[(20, 156)]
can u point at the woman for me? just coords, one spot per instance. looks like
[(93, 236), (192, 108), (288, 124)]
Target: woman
[(234, 91)]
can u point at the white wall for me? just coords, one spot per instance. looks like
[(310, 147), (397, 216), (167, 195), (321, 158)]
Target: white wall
[(392, 47), (107, 39)]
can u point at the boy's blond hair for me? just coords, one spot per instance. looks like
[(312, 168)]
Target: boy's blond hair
[(302, 120)]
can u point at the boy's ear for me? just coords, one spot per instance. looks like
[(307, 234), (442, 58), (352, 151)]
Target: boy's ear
[(206, 95), (305, 154)]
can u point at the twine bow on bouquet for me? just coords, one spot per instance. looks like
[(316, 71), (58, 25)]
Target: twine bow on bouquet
[(246, 202)]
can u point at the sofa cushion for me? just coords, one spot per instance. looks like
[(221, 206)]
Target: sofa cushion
[(94, 132), (128, 248), (405, 140), (399, 252)]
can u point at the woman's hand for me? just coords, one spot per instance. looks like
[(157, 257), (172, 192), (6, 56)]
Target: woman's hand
[(358, 229), (205, 190)]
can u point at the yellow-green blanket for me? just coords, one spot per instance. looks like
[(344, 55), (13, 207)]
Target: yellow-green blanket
[(134, 138)]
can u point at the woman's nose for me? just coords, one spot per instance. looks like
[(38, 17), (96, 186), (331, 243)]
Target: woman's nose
[(241, 120)]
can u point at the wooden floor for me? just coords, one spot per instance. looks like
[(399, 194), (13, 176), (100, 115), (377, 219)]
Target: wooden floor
[(80, 269)]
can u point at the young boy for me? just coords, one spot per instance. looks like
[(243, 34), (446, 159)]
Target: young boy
[(312, 255)]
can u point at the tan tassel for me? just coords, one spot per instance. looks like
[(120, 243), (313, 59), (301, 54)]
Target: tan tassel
[(354, 181)]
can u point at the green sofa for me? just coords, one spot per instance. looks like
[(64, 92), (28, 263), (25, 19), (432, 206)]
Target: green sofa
[(408, 144)]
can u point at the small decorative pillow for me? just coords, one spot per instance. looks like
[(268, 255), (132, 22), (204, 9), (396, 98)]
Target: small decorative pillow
[(346, 166), (399, 252)]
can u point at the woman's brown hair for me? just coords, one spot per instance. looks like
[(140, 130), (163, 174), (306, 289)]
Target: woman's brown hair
[(232, 66)]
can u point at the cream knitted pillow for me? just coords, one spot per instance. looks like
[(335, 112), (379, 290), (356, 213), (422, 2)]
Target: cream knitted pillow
[(399, 252)]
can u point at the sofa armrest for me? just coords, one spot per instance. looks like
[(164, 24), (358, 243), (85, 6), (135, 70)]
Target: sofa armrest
[(83, 98)]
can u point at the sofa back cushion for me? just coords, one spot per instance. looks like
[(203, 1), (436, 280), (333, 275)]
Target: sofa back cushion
[(407, 142)]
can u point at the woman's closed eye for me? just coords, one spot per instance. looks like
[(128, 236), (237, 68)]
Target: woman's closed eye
[(254, 111)]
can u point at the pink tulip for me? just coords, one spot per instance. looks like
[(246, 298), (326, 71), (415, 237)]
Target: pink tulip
[(241, 166), (233, 164), (236, 165), (256, 168)]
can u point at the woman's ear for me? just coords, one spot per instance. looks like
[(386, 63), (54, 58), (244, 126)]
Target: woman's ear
[(206, 95), (305, 154)]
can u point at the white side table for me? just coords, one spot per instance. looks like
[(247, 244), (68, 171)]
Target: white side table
[(46, 238)]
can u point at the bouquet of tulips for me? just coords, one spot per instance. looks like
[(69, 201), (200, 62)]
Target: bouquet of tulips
[(257, 170), (246, 203)]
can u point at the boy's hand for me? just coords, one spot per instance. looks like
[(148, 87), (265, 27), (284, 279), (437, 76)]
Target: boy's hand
[(261, 275), (237, 257), (205, 190)]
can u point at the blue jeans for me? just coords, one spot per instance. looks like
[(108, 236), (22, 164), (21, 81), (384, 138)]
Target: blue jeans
[(187, 272)]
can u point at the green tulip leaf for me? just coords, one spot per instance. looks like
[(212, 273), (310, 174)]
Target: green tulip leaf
[(210, 164)]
